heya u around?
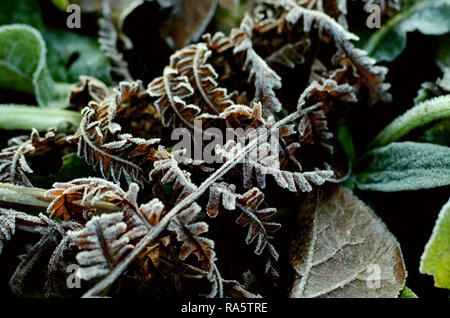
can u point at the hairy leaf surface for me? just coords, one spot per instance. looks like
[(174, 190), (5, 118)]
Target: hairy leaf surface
[(344, 250)]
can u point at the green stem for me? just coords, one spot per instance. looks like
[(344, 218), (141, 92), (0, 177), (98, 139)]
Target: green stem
[(419, 115), (17, 197), (24, 117)]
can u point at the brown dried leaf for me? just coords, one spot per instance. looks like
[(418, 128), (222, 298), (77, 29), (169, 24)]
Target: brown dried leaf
[(188, 20), (88, 89), (64, 205), (341, 247)]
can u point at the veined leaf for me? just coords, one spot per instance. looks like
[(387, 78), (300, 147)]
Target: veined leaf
[(419, 115), (426, 16), (404, 166), (23, 66), (346, 251), (435, 259), (71, 55)]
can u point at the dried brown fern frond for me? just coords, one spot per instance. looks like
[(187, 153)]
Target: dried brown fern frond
[(88, 193), (114, 154), (248, 203), (106, 241), (191, 62), (88, 89), (167, 166), (337, 9), (265, 163), (264, 79), (370, 76), (261, 75), (108, 237), (172, 89), (290, 54), (51, 233), (188, 232), (101, 142), (173, 174), (107, 38), (314, 126), (13, 159)]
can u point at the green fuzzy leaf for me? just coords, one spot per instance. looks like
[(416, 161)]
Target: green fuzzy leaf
[(72, 55), (404, 166), (429, 17), (69, 54), (407, 293), (435, 259), (421, 114), (23, 66), (24, 117)]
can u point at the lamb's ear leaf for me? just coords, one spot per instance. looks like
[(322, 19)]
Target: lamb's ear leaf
[(404, 166), (69, 54), (426, 16), (435, 259), (23, 66), (407, 293), (336, 229)]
